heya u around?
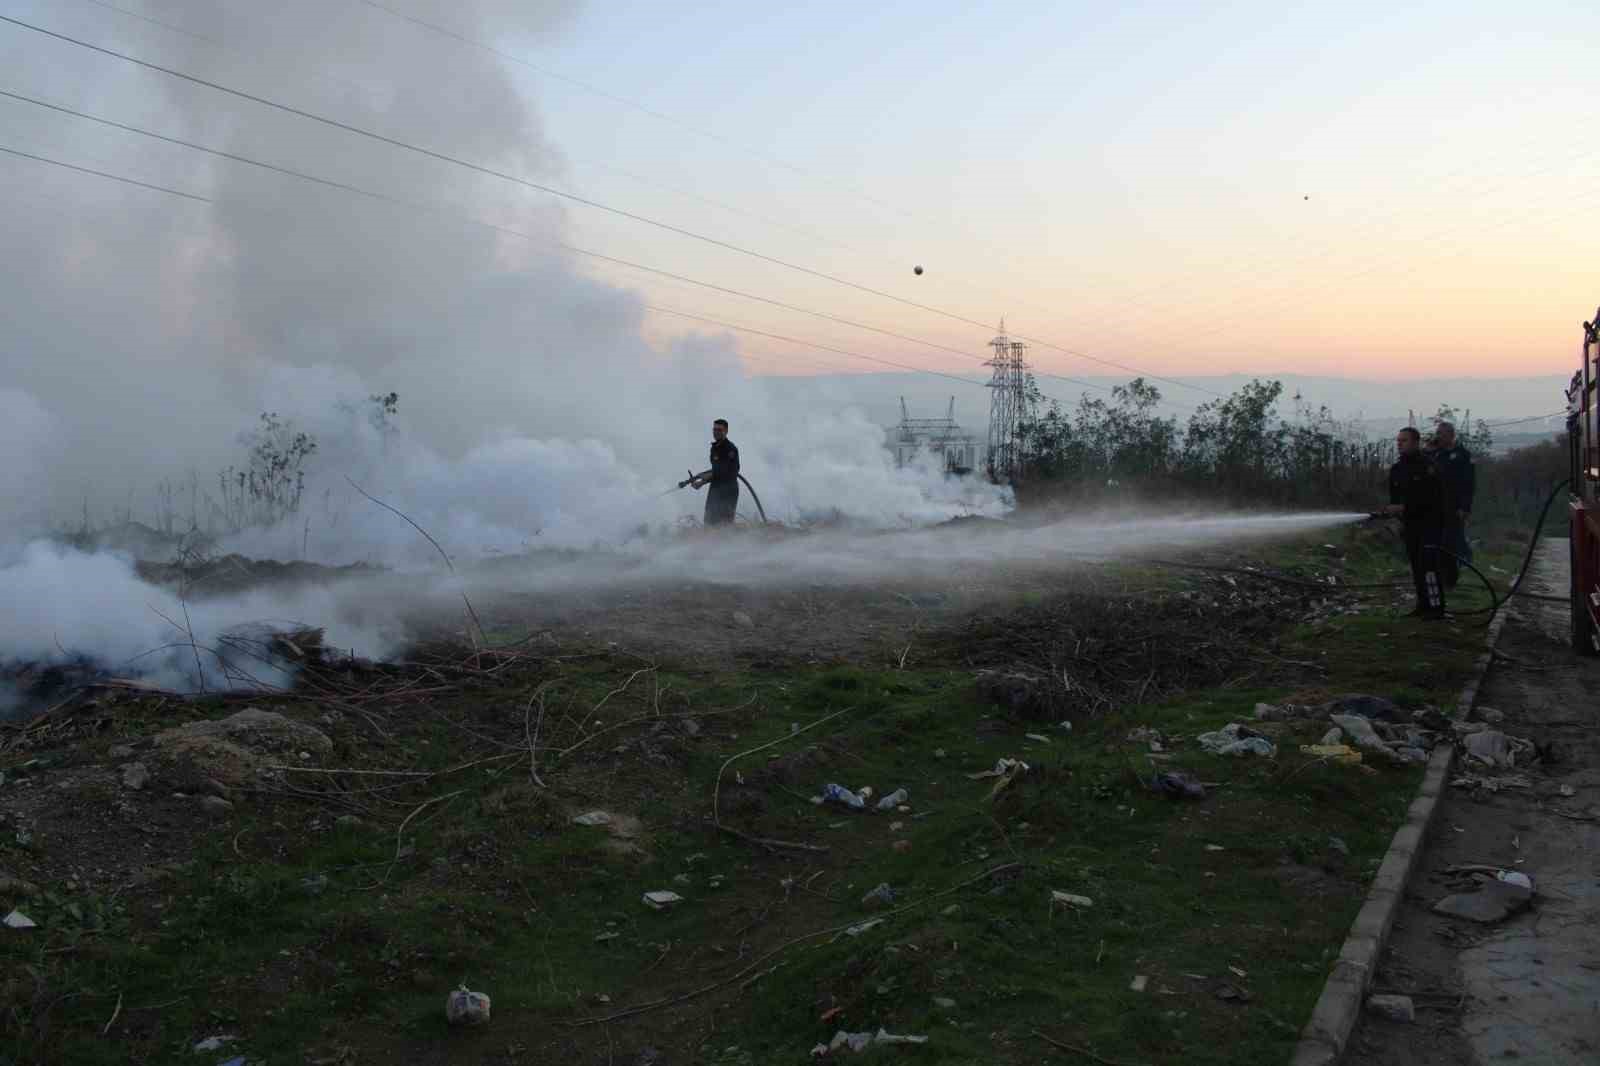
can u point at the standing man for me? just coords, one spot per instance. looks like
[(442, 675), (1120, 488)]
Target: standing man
[(722, 498), (1417, 495), (1454, 463)]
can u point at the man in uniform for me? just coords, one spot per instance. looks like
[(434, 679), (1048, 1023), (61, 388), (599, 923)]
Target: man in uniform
[(1454, 464), (1417, 495), (722, 498)]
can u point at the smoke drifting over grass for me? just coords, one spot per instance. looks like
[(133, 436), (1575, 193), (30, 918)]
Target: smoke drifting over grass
[(147, 331)]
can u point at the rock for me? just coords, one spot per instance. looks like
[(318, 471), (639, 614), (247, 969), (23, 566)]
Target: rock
[(1336, 844), (690, 727), (1494, 902), (944, 1002), (1490, 747), (1067, 899), (135, 776), (1395, 1008), (215, 805), (593, 818), (1490, 715), (882, 896), (1178, 785), (16, 886), (661, 900), (120, 751), (349, 821), (1409, 754), (18, 920), (743, 621), (214, 1043)]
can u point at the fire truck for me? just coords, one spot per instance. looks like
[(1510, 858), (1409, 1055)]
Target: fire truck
[(1583, 434)]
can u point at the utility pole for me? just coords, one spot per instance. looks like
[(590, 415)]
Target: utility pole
[(1008, 406)]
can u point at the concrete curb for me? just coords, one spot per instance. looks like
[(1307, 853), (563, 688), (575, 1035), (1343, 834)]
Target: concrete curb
[(1333, 1019)]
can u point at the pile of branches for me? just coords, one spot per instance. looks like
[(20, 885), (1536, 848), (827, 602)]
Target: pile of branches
[(1086, 653)]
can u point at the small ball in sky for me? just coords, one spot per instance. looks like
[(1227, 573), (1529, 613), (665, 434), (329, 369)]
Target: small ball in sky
[(917, 271), (1305, 197)]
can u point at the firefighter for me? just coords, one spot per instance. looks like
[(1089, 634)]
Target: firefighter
[(1454, 463), (722, 497), (1417, 496)]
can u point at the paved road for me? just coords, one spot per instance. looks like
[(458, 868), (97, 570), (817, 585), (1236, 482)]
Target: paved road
[(1526, 990)]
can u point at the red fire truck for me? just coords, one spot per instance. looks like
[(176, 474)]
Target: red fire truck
[(1583, 432)]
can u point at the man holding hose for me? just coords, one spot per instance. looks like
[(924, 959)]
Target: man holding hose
[(1417, 495), (722, 497)]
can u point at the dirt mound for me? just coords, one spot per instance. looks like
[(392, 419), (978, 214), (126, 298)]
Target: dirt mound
[(231, 750)]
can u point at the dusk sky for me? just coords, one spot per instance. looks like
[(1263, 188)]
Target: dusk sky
[(1362, 189), (1357, 189)]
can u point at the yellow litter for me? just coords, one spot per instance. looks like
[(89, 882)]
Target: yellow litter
[(1342, 753)]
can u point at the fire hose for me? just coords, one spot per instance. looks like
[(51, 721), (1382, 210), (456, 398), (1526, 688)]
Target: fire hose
[(693, 477)]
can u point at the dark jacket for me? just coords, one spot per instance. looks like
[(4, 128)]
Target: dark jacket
[(1456, 471), (1414, 482), (724, 465)]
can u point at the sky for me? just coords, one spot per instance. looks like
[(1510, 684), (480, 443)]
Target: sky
[(1353, 190)]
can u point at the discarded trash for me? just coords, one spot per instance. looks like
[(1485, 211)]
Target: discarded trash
[(1515, 877), (1139, 983), (237, 1060), (1491, 784), (1360, 732), (893, 799), (1342, 753), (661, 900), (1332, 736), (881, 896), (862, 927), (1406, 753), (1271, 712), (214, 1043), (18, 920), (840, 794), (465, 1007), (1177, 784), (1007, 770), (859, 1042), (1568, 791), (1489, 746), (1395, 1008), (1235, 739), (1493, 902), (865, 792), (1039, 737), (901, 846), (604, 937), (1067, 899), (593, 818), (1215, 847)]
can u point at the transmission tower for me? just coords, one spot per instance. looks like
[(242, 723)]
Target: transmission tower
[(1008, 406)]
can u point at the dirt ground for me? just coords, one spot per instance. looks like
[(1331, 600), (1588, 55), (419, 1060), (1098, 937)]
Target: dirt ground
[(1527, 989)]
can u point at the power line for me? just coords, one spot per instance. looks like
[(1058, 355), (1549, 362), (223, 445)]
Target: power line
[(359, 191), (585, 201), (1520, 421), (634, 104), (103, 174)]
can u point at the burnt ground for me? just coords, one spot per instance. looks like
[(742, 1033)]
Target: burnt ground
[(1526, 990)]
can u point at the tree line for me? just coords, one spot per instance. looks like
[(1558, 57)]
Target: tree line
[(1239, 450)]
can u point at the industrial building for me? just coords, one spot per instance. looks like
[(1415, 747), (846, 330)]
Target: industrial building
[(956, 450)]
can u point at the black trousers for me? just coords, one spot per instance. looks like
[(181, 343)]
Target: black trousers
[(721, 504), (1422, 549)]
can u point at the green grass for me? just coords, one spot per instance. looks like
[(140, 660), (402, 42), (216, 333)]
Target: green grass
[(500, 891)]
